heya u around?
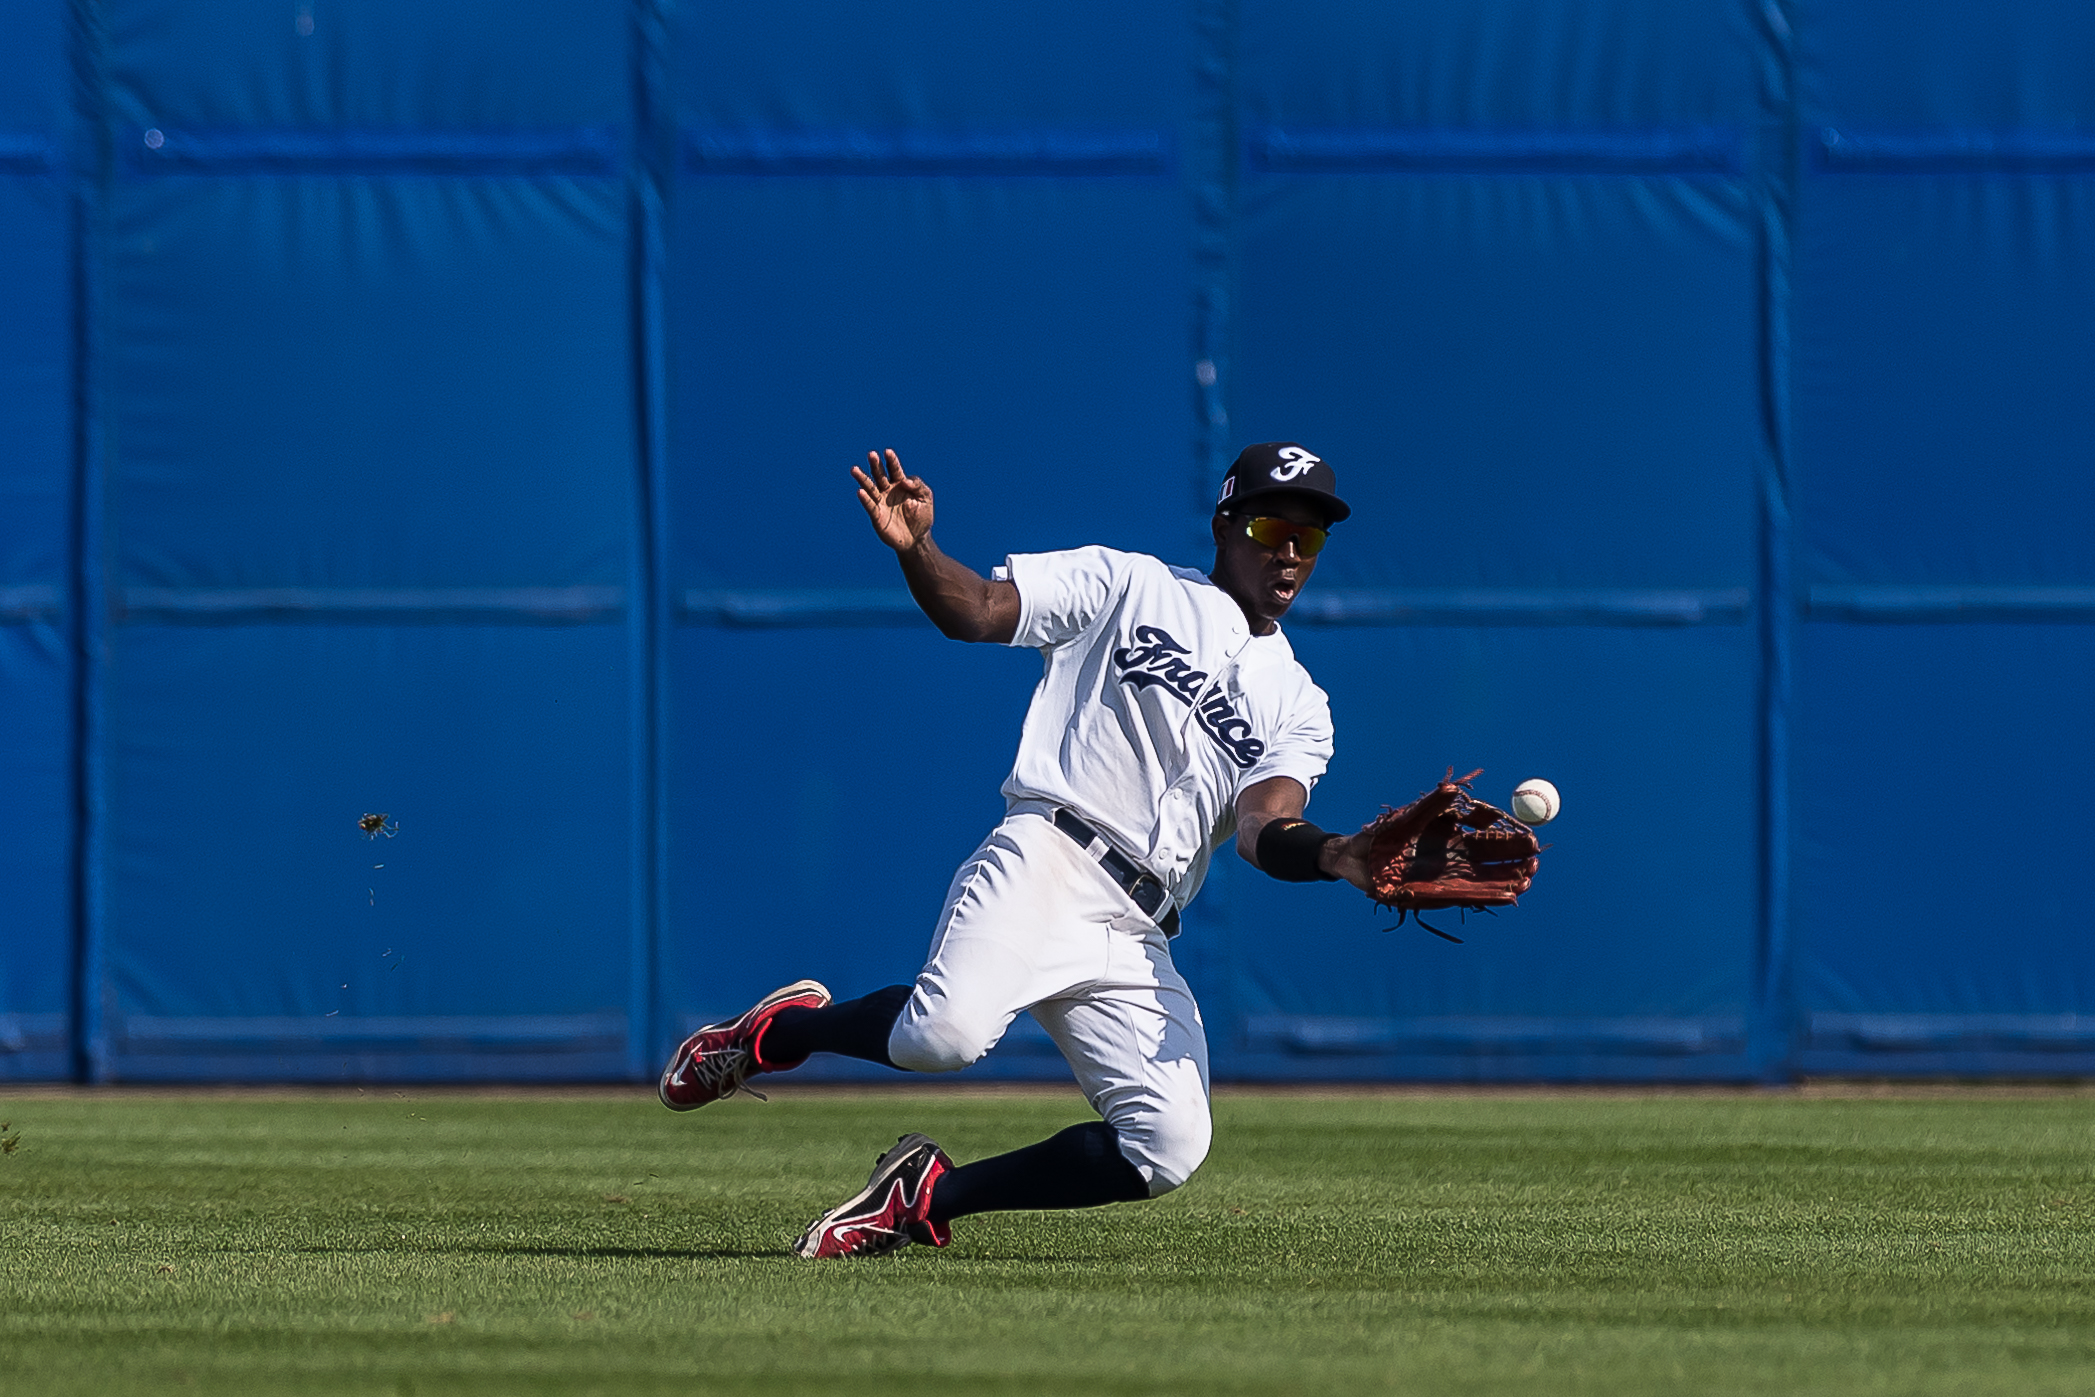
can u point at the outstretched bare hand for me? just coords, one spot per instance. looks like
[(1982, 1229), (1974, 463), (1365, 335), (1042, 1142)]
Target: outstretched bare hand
[(899, 505)]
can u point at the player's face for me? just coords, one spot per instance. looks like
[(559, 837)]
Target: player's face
[(1265, 578)]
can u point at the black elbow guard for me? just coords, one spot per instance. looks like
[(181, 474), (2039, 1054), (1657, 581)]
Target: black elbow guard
[(1288, 850)]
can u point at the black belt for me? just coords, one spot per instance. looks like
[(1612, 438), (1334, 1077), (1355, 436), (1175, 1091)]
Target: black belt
[(1140, 886)]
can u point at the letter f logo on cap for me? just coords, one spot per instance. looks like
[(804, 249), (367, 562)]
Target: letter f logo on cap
[(1293, 462), (1281, 468)]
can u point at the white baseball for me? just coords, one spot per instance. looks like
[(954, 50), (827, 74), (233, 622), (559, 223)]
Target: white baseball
[(1536, 802)]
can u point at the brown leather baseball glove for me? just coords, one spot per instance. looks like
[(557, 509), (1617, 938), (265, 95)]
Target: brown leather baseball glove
[(1449, 849)]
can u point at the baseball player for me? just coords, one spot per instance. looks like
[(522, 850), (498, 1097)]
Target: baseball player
[(1170, 715)]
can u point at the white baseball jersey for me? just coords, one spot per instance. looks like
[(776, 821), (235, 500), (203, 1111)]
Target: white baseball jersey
[(1158, 706)]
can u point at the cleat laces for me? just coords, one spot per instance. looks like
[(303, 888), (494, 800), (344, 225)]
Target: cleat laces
[(726, 1072)]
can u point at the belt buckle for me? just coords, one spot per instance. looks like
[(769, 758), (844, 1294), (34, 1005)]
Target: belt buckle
[(1162, 913)]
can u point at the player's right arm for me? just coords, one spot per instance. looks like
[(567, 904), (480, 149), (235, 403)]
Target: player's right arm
[(962, 603)]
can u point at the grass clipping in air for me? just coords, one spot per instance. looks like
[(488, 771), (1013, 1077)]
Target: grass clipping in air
[(1607, 1245)]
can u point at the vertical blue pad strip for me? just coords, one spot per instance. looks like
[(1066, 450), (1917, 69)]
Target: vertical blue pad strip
[(652, 176), (1214, 224), (1771, 1048), (89, 601)]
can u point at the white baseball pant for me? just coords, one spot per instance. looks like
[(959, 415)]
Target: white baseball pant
[(1032, 924)]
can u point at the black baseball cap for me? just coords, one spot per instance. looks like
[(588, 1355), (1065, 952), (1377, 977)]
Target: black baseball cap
[(1281, 468)]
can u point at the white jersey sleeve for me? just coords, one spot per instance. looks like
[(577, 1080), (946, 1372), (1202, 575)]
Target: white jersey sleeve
[(1059, 594), (1301, 747)]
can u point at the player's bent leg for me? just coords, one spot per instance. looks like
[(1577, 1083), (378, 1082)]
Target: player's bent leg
[(1081, 1167), (1137, 1046), (879, 1027), (1026, 918), (915, 1191), (1166, 1146), (1165, 1125), (924, 1039), (855, 1028)]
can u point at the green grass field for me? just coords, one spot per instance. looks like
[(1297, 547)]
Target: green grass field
[(429, 1242)]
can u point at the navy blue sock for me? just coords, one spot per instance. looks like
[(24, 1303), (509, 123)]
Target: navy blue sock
[(855, 1028), (1081, 1167)]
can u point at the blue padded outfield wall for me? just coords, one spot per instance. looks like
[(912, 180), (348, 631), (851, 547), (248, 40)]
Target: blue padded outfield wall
[(442, 410)]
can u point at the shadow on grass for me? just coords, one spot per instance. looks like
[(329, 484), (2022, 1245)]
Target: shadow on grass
[(623, 1253)]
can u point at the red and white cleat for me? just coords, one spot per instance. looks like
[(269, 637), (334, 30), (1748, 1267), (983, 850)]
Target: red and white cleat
[(892, 1210), (719, 1059)]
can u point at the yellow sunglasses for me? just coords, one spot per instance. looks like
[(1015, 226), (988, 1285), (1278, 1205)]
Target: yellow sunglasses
[(1275, 533)]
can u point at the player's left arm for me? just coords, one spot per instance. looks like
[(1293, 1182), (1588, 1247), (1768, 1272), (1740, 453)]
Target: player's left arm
[(1282, 799)]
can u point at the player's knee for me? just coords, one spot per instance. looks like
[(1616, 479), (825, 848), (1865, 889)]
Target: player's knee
[(923, 1043), (1168, 1148)]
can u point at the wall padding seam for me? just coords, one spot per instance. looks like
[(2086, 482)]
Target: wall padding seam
[(1773, 1036)]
